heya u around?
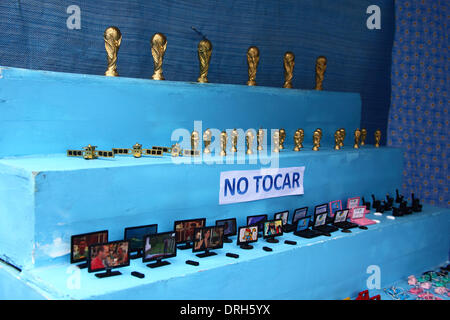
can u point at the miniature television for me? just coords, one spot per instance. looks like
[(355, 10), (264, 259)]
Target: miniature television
[(184, 231), (107, 256), (206, 239), (257, 220), (79, 245), (229, 228), (272, 229), (284, 216), (247, 235), (299, 214), (159, 246), (136, 237), (334, 206)]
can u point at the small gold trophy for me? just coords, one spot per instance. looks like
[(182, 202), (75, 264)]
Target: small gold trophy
[(288, 63), (207, 141), (223, 143), (234, 140), (337, 140), (316, 140), (276, 141), (299, 136), (113, 39), (320, 135), (377, 138), (204, 56), (259, 139), (158, 44), (363, 136), (252, 61), (194, 140), (249, 137), (282, 138), (321, 66), (342, 130), (357, 137)]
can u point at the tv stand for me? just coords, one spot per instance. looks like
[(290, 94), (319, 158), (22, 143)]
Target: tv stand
[(272, 240), (188, 245), (82, 265), (246, 246), (227, 240), (137, 255), (158, 263), (107, 274), (205, 254)]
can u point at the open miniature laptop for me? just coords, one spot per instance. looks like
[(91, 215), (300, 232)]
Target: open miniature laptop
[(298, 214), (302, 230), (320, 223), (340, 220), (358, 216)]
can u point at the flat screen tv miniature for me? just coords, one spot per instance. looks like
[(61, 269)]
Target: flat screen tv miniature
[(272, 229), (159, 246), (247, 235), (340, 220), (206, 239), (358, 216), (79, 245), (229, 228), (302, 230), (320, 224), (257, 220), (107, 256), (136, 237), (184, 231)]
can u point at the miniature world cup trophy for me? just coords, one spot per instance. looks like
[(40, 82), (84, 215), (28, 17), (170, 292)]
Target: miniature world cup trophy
[(320, 135), (223, 143), (234, 140), (299, 136), (252, 61), (207, 141), (259, 139), (321, 66), (316, 140), (288, 63), (337, 140), (249, 137), (357, 137), (158, 44), (377, 138), (363, 136), (276, 141), (282, 138), (342, 130), (113, 39), (194, 140), (204, 56)]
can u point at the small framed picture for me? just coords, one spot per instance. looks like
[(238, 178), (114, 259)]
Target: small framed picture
[(353, 202), (335, 206)]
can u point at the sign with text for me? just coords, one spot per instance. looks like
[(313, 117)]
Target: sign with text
[(250, 185)]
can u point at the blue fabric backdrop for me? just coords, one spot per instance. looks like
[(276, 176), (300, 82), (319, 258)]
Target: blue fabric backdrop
[(33, 34), (419, 120)]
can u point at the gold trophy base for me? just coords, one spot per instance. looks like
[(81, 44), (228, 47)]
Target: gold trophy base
[(287, 85), (249, 152), (337, 148), (223, 153), (202, 80), (206, 151), (251, 83), (111, 73), (315, 148), (158, 76), (296, 149), (355, 146)]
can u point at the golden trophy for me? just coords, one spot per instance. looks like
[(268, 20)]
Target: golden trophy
[(113, 39), (175, 150), (249, 137), (299, 136), (342, 130), (259, 139), (223, 143), (204, 56), (377, 138), (337, 140), (316, 140), (357, 137), (234, 140), (288, 63), (321, 66), (320, 135), (194, 140), (158, 44), (282, 138), (207, 141), (276, 141), (363, 136), (252, 61)]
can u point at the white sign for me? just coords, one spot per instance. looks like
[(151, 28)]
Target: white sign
[(250, 185)]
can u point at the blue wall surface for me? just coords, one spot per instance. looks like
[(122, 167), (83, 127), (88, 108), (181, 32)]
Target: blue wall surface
[(34, 35)]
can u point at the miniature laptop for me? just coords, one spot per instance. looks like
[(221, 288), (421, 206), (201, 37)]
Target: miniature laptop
[(284, 216), (299, 213), (340, 220), (320, 221), (353, 202), (257, 220), (358, 216), (302, 230), (334, 207)]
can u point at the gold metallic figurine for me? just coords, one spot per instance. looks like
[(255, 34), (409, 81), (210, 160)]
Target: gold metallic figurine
[(113, 38), (249, 137), (207, 141), (357, 137), (299, 136), (276, 141), (377, 138), (337, 140), (321, 66), (204, 56), (194, 140), (342, 130), (223, 143), (252, 61), (158, 44), (89, 153), (282, 138), (288, 63), (316, 140), (320, 135), (363, 136), (234, 140), (259, 139)]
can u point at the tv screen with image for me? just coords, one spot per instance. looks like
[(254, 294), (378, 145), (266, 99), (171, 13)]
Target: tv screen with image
[(299, 214), (135, 235), (248, 234), (159, 246), (257, 220), (273, 228), (284, 216), (320, 219), (184, 229), (302, 224), (208, 238), (341, 216), (79, 244), (108, 255), (323, 208), (229, 226)]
